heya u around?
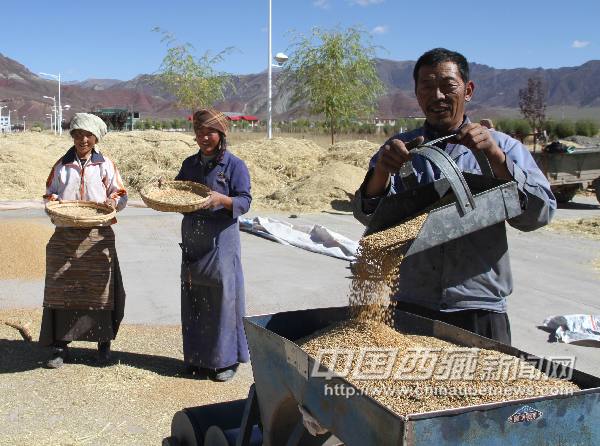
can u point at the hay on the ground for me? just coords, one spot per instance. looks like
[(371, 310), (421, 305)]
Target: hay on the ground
[(587, 227), (284, 171)]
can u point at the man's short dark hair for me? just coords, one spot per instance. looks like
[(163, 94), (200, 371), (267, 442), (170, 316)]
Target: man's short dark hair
[(438, 55)]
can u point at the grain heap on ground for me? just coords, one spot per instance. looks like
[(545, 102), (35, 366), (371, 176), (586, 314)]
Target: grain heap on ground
[(300, 175), (424, 366), (23, 248)]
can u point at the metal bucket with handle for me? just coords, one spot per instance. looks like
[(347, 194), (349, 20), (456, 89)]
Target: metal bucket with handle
[(457, 204)]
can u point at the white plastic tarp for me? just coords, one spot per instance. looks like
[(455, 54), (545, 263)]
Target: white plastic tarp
[(582, 329), (315, 238)]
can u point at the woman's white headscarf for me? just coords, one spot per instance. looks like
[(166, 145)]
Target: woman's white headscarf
[(89, 122)]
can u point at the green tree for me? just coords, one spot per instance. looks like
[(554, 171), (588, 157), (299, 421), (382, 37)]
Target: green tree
[(193, 81), (335, 72)]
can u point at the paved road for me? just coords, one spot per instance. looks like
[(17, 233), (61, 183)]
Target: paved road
[(552, 272)]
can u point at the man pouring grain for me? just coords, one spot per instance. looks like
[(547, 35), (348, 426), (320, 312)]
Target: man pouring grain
[(466, 281), (84, 298)]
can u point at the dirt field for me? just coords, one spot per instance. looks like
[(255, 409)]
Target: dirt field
[(288, 174)]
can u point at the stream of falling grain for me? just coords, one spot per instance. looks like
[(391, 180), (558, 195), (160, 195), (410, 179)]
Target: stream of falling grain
[(377, 267)]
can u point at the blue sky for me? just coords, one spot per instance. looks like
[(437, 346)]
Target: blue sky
[(113, 39)]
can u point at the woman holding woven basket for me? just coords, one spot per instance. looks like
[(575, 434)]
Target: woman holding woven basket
[(84, 299), (212, 282)]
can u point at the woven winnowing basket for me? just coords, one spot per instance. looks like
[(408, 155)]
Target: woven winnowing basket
[(163, 196), (65, 213)]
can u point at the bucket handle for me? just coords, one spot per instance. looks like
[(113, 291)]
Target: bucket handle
[(450, 170)]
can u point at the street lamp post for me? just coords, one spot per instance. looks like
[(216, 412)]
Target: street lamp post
[(24, 123), (59, 115), (49, 115), (280, 58), (54, 112), (269, 119), (9, 122)]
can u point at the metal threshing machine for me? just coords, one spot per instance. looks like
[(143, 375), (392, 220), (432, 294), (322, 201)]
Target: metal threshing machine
[(287, 397)]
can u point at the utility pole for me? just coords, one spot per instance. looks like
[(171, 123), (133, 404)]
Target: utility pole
[(54, 112), (269, 119), (58, 120), (280, 58), (59, 108), (9, 121)]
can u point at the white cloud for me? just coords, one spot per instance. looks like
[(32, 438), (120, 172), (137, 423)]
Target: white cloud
[(323, 4), (381, 29), (580, 43), (365, 2)]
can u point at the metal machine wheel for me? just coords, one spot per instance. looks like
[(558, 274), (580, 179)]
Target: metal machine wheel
[(596, 186), (170, 441), (215, 436), (564, 194), (217, 424), (185, 431)]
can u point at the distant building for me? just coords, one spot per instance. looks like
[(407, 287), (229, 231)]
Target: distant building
[(132, 116), (4, 124), (380, 121), (233, 116)]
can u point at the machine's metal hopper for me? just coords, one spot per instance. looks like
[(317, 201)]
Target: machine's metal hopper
[(283, 382)]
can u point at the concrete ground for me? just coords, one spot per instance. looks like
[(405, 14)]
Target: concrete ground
[(553, 274)]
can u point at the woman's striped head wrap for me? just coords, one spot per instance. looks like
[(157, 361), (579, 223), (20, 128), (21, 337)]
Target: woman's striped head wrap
[(211, 118)]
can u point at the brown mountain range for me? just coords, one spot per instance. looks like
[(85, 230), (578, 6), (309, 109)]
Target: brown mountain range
[(496, 92)]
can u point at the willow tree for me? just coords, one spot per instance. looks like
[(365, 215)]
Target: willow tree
[(334, 71), (194, 82)]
